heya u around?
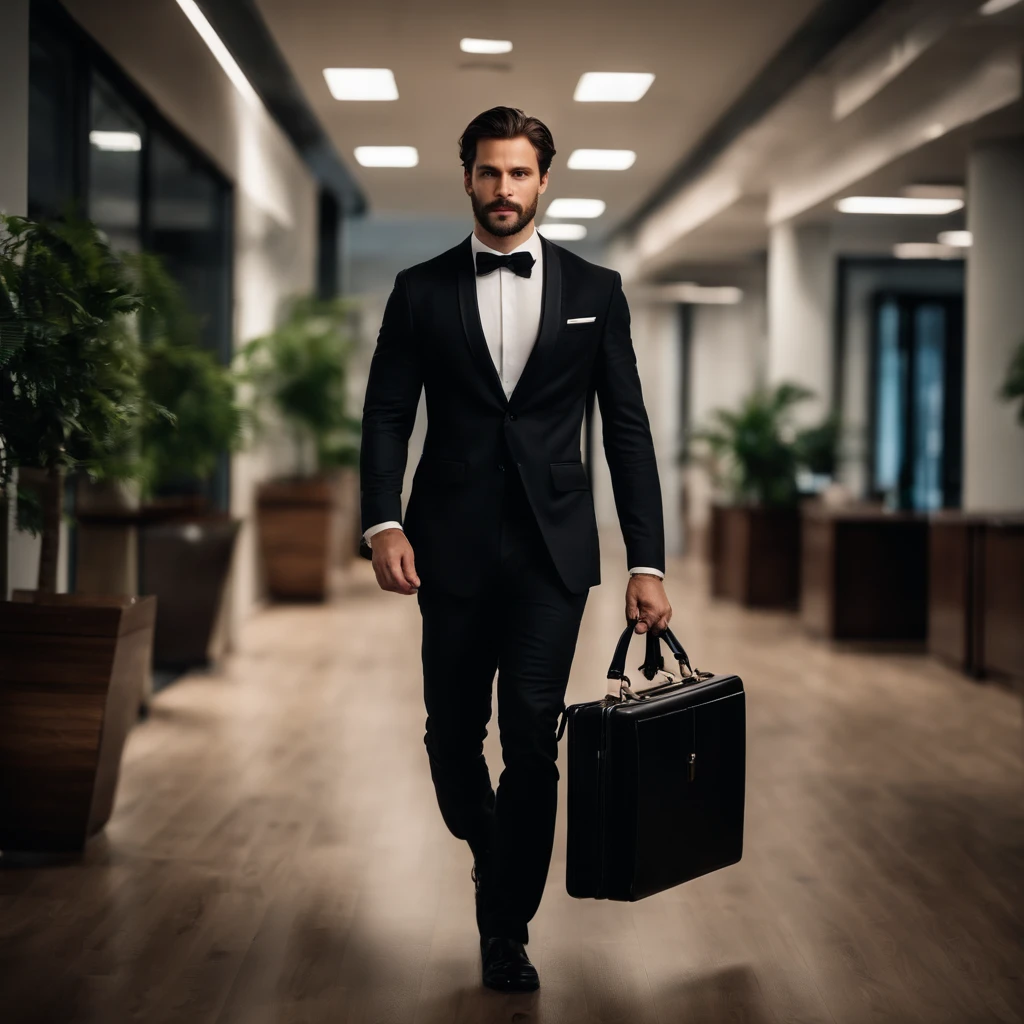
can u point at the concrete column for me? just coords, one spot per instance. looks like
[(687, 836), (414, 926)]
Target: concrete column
[(993, 440), (13, 183), (801, 301)]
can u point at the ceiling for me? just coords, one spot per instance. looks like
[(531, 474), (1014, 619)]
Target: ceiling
[(702, 52), (801, 156)]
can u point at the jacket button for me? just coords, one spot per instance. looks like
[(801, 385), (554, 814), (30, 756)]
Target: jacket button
[(501, 465), (511, 416)]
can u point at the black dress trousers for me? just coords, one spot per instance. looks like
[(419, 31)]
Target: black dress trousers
[(524, 624)]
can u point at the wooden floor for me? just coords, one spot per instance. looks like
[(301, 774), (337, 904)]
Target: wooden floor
[(276, 855)]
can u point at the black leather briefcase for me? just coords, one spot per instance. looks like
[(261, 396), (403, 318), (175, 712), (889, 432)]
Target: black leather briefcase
[(656, 778)]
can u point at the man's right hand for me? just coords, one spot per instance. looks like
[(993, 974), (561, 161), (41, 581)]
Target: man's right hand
[(393, 562)]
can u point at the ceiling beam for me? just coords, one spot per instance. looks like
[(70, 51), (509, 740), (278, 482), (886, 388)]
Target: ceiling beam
[(244, 32)]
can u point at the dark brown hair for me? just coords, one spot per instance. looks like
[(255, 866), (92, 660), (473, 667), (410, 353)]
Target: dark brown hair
[(506, 123)]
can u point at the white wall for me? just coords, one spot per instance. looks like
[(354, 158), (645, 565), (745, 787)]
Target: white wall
[(728, 355), (657, 341), (275, 198), (801, 300), (19, 548), (14, 108), (993, 439)]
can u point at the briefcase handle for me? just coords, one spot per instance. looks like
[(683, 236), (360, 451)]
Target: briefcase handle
[(653, 662)]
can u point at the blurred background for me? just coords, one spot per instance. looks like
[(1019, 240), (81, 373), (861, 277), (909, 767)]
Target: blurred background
[(817, 209)]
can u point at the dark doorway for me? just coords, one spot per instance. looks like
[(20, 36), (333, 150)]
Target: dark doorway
[(917, 400)]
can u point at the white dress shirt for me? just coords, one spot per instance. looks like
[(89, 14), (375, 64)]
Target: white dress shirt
[(510, 312)]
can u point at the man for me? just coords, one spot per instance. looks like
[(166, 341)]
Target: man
[(507, 334)]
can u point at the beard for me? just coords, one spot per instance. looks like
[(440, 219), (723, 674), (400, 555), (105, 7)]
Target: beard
[(502, 229)]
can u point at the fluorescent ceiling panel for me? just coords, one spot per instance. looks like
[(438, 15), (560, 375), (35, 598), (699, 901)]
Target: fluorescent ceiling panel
[(387, 156), (361, 83), (898, 205), (995, 6), (563, 232), (584, 208), (961, 239), (926, 251), (601, 159), (612, 86), (218, 49), (116, 142), (485, 45)]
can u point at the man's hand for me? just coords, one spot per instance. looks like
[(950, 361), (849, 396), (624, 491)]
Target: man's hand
[(646, 600), (393, 562)]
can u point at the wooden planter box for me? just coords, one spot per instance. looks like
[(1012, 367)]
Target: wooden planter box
[(185, 563), (755, 555), (976, 592), (865, 574), (71, 680), (299, 532)]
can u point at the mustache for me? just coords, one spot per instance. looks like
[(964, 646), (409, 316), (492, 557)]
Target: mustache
[(504, 204)]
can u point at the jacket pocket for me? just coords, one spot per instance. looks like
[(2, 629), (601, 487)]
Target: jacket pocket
[(569, 476)]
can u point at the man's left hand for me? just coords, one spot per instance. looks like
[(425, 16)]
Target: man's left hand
[(647, 601)]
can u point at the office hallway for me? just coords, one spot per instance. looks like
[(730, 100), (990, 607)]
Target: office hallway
[(276, 854)]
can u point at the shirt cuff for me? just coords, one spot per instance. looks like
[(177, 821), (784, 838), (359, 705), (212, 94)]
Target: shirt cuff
[(646, 568), (389, 525)]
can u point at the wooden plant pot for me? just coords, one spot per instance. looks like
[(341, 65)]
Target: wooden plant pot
[(298, 534), (185, 563), (755, 555), (865, 574), (71, 680)]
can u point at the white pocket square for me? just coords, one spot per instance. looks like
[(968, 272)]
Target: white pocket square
[(581, 320)]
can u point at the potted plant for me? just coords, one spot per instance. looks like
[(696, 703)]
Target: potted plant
[(299, 374), (70, 402), (753, 458), (185, 545)]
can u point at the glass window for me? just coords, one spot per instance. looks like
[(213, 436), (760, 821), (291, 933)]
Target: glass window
[(115, 167), (53, 152), (189, 227)]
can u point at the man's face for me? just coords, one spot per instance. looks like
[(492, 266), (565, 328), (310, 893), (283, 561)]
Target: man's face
[(505, 185)]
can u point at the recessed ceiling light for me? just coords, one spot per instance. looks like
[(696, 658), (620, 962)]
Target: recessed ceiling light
[(961, 239), (219, 50), (361, 83), (697, 294), (995, 6), (926, 251), (563, 232), (897, 205), (612, 86), (387, 156), (585, 208), (485, 45), (116, 142), (601, 159)]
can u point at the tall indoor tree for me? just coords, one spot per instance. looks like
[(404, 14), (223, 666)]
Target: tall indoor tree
[(70, 360)]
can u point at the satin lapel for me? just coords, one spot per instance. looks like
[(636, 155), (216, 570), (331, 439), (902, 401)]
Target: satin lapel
[(470, 311), (551, 311)]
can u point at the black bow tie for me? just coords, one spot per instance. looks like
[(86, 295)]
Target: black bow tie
[(520, 263)]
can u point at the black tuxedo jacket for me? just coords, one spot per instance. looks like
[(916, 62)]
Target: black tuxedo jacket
[(431, 338)]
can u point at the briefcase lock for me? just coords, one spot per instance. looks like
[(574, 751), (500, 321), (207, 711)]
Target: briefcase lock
[(691, 768)]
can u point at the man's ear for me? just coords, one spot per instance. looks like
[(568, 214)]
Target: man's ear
[(543, 183), (467, 181)]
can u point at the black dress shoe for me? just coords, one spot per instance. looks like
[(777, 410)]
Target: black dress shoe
[(506, 967)]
